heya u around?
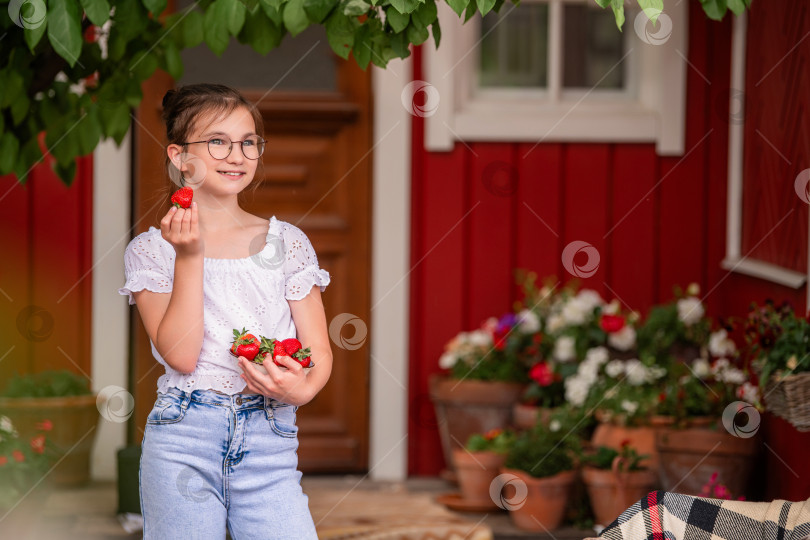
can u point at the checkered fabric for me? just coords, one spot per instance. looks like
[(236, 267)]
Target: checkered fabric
[(662, 515)]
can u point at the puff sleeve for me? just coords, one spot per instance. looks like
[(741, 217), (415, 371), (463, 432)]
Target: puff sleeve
[(301, 270), (145, 266)]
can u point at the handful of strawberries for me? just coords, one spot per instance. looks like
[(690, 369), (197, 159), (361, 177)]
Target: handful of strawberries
[(257, 350)]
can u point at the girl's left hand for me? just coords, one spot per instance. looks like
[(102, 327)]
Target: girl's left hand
[(285, 385)]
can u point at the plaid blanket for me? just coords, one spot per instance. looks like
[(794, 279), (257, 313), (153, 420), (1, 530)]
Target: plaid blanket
[(663, 515)]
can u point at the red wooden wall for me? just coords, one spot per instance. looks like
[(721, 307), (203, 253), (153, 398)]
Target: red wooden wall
[(656, 221), (45, 271)]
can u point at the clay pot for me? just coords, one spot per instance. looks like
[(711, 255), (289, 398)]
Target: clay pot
[(545, 503), (467, 407), (612, 491), (74, 421), (689, 457), (475, 472), (526, 416), (642, 438)]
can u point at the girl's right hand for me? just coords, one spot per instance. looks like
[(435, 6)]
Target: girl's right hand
[(180, 228)]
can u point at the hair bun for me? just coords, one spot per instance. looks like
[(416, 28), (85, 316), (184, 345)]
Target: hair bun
[(168, 97)]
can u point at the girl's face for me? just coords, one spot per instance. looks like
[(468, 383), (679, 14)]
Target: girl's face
[(205, 173)]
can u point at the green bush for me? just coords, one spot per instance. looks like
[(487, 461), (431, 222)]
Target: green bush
[(57, 383)]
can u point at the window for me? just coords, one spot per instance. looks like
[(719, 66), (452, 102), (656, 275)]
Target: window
[(559, 70)]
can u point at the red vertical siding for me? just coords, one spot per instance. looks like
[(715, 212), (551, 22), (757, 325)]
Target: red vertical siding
[(656, 221)]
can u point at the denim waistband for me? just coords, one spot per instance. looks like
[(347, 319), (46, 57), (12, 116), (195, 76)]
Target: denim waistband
[(237, 401)]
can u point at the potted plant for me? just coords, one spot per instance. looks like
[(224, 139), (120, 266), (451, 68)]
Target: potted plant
[(65, 399), (615, 479), (540, 471), (778, 342), (24, 482), (478, 464)]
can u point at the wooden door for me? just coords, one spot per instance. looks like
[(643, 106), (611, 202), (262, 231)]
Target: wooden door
[(316, 175)]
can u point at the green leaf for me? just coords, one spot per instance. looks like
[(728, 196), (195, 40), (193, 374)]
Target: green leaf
[(361, 50), (216, 34), (29, 155), (34, 35), (458, 6), (618, 12), (715, 9), (318, 10), (603, 3), (19, 109), (399, 45), (417, 33), (295, 18), (652, 8), (131, 19), (470, 12), (232, 13), (143, 64), (12, 86), (115, 121), (191, 29), (485, 6), (48, 111), (173, 61), (9, 146), (251, 5), (64, 29), (274, 14), (155, 7), (98, 11), (340, 33), (134, 94), (398, 21), (261, 33), (405, 6), (88, 132), (61, 140), (426, 13), (738, 6), (66, 172), (436, 30), (355, 8)]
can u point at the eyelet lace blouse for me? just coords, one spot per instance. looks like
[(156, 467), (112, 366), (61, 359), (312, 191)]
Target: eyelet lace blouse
[(250, 292)]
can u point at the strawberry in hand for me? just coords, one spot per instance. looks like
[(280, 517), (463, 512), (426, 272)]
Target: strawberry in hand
[(182, 197), (294, 351), (244, 344)]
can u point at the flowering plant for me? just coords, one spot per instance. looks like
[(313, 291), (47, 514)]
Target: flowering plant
[(547, 450), (495, 440), (716, 490), (778, 340), (603, 458), (23, 463), (677, 327)]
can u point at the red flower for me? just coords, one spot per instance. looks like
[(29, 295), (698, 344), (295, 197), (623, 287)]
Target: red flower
[(537, 338), (492, 433), (19, 457), (38, 444), (45, 425), (611, 323), (625, 443), (541, 374), (499, 339), (3, 460)]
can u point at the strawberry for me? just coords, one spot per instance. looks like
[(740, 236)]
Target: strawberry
[(279, 350), (182, 197), (292, 345), (244, 344), (265, 349)]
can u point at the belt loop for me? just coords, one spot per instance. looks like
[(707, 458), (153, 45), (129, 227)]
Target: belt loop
[(186, 399)]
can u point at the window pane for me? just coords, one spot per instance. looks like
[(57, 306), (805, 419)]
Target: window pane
[(592, 48), (514, 46)]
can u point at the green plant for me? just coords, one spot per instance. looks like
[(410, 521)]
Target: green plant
[(603, 458), (61, 383), (778, 341), (22, 463), (494, 440), (714, 9), (545, 451), (680, 323)]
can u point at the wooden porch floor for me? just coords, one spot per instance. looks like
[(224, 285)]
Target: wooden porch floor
[(342, 506)]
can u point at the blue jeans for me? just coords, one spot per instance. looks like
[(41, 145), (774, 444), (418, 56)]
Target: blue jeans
[(211, 461)]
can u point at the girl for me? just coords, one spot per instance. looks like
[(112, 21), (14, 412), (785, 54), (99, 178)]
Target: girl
[(219, 449)]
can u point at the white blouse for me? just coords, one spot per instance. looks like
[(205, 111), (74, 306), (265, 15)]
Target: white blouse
[(250, 292)]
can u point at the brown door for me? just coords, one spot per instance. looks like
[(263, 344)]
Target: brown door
[(316, 175)]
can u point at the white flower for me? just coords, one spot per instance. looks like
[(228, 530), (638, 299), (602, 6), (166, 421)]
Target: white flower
[(479, 338), (721, 345), (490, 324), (630, 406), (597, 355), (656, 372), (447, 360), (554, 425), (614, 368), (6, 425), (528, 322), (749, 392), (589, 299), (564, 350), (574, 312), (636, 372), (732, 375), (612, 308), (701, 368), (576, 390), (690, 310), (554, 323), (624, 339), (588, 371), (719, 365)]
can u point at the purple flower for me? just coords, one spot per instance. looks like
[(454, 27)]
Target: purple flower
[(507, 321)]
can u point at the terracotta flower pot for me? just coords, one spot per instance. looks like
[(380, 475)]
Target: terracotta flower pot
[(467, 407), (74, 422), (611, 491), (475, 472), (545, 502), (689, 457), (642, 438), (526, 416)]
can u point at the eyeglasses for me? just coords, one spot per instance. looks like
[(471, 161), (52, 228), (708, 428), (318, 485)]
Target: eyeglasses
[(220, 147)]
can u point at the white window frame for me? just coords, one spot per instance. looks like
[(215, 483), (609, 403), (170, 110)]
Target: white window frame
[(735, 260), (653, 111)]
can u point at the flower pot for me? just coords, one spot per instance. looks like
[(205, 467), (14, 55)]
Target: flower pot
[(642, 438), (689, 457), (74, 422), (467, 407), (526, 416), (546, 499), (475, 472), (611, 492)]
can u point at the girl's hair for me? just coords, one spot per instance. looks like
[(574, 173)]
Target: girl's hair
[(185, 106)]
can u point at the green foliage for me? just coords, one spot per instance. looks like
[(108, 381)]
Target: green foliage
[(714, 9), (779, 341), (496, 440), (57, 383), (547, 450), (603, 457)]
